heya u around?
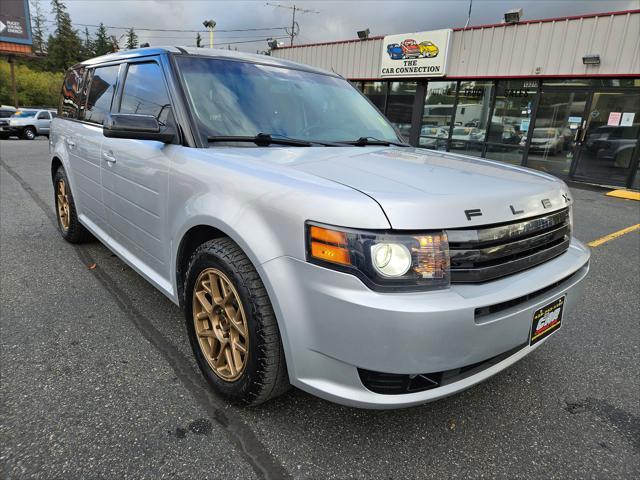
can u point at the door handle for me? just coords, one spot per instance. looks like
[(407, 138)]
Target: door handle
[(108, 156), (71, 143)]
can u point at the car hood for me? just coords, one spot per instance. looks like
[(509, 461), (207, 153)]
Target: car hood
[(422, 189)]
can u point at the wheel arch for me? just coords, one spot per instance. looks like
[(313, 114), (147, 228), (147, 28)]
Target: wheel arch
[(190, 240), (56, 163)]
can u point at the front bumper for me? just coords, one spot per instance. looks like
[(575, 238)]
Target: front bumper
[(332, 325)]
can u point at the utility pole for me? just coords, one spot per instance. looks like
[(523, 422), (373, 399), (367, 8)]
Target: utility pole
[(294, 25), (14, 91)]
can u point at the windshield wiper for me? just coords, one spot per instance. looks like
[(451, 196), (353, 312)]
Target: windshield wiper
[(363, 141), (266, 139)]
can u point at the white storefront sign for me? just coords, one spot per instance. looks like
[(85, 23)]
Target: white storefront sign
[(419, 54)]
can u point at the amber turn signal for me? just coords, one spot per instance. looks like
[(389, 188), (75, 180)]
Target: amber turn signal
[(328, 236), (330, 253), (328, 245)]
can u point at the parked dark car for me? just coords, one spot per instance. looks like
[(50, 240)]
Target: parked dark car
[(5, 112)]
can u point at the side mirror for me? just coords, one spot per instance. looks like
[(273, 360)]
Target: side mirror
[(136, 127)]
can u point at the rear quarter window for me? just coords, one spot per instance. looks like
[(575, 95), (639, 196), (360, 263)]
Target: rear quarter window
[(71, 95)]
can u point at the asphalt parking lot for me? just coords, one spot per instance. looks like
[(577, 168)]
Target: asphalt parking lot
[(98, 379)]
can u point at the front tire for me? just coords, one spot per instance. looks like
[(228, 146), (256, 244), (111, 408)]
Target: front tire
[(28, 133), (66, 214), (231, 325)]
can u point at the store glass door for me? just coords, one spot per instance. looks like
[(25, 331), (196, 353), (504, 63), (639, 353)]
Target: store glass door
[(554, 141), (608, 145)]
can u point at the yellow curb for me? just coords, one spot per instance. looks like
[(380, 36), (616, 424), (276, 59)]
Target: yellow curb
[(628, 194), (613, 235)]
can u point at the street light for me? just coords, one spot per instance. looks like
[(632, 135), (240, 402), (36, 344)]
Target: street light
[(363, 34), (513, 15), (210, 25)]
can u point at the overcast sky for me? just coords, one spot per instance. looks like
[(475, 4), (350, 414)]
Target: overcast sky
[(336, 20)]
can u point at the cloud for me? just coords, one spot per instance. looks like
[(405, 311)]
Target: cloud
[(336, 20)]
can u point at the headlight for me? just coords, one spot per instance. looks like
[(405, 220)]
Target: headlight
[(383, 261)]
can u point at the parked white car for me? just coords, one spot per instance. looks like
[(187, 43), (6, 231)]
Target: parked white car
[(548, 140)]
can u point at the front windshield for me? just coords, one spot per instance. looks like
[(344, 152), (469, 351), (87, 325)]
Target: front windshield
[(235, 98), (23, 114)]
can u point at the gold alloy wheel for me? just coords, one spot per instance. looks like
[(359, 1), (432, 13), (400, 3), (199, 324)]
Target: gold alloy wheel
[(220, 324), (63, 204)]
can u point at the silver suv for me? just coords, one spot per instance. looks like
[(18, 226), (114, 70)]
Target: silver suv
[(305, 241), (28, 124)]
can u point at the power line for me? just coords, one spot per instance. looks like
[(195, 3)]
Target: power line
[(247, 41), (246, 37), (294, 25), (175, 30)]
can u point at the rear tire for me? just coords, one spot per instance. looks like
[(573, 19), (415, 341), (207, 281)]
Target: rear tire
[(66, 214), (28, 133), (243, 359)]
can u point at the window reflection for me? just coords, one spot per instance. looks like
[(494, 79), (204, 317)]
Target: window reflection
[(611, 137), (400, 105), (471, 116), (511, 120), (437, 115), (376, 92), (559, 118)]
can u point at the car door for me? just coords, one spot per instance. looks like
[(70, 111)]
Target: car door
[(135, 175), (43, 122), (84, 143)]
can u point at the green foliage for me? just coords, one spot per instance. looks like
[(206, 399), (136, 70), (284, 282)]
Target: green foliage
[(102, 44), (88, 50), (37, 21), (38, 89), (65, 47), (132, 39)]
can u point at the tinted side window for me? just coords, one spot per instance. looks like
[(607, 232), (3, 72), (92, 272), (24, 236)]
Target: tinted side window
[(44, 116), (145, 92), (71, 95), (103, 86)]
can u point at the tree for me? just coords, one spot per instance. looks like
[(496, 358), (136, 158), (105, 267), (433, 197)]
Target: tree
[(132, 39), (37, 27), (64, 47), (102, 43), (88, 50), (198, 40)]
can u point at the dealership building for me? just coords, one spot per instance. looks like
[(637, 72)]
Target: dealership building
[(561, 95)]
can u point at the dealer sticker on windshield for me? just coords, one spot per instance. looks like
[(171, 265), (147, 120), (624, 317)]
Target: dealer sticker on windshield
[(546, 320)]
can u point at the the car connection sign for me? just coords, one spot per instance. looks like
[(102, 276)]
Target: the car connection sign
[(419, 54)]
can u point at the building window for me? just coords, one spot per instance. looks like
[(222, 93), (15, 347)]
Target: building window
[(558, 121), (400, 105), (608, 152), (471, 117), (511, 119), (376, 92), (437, 115)]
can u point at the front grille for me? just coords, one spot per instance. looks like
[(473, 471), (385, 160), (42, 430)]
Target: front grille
[(495, 251)]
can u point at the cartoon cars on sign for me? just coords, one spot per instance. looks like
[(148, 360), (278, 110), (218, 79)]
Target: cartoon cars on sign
[(410, 48), (395, 51), (428, 49)]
